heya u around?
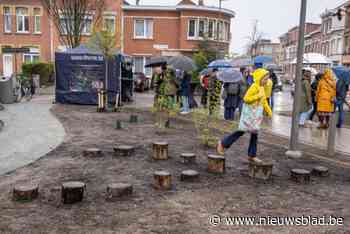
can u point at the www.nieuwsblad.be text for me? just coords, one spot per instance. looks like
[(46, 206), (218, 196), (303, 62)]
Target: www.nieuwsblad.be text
[(216, 220)]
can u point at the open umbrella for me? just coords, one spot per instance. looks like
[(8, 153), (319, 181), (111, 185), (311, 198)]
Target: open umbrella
[(263, 59), (242, 62), (342, 73), (273, 67), (314, 58), (182, 63), (229, 75), (221, 63), (156, 61)]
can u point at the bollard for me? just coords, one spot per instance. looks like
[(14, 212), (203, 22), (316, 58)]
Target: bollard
[(101, 101), (331, 135)]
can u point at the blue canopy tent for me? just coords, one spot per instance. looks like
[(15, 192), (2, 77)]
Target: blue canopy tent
[(80, 72)]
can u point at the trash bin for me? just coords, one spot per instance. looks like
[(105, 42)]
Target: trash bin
[(6, 90)]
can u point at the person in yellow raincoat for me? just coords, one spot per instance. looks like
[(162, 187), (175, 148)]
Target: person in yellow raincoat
[(268, 91), (254, 96), (325, 96)]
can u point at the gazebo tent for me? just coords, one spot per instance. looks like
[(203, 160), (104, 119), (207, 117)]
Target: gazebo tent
[(80, 72)]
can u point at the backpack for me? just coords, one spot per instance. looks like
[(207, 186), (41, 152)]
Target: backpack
[(233, 89)]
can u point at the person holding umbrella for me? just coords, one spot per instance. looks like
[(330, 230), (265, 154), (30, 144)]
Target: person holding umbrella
[(185, 91), (342, 88)]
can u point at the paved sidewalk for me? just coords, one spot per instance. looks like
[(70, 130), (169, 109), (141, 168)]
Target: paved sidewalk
[(30, 132)]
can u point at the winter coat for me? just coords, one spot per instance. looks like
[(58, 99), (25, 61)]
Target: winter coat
[(171, 87), (185, 87), (256, 93), (231, 101), (342, 90), (314, 86), (326, 92), (306, 98)]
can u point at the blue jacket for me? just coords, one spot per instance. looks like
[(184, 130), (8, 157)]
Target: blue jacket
[(342, 90)]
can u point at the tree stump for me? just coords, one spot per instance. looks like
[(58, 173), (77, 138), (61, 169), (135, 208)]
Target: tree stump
[(124, 150), (189, 176), (92, 152), (162, 180), (261, 171), (320, 171), (216, 164), (118, 190), (25, 193), (119, 125), (134, 119), (300, 176), (160, 150), (188, 158), (73, 192)]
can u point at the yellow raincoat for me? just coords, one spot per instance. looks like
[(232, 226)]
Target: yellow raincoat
[(268, 88), (256, 93), (326, 92)]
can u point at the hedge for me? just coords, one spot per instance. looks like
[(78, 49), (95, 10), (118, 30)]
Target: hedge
[(45, 70)]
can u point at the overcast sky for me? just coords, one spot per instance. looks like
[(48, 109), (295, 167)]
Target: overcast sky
[(275, 17)]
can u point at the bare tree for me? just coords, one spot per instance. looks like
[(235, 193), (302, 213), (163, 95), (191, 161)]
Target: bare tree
[(72, 16), (254, 40)]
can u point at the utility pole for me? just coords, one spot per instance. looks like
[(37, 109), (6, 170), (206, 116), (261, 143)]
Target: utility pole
[(293, 147)]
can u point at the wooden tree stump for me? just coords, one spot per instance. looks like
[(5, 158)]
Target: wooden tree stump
[(160, 150), (320, 171), (92, 152), (300, 176), (188, 158), (162, 180), (260, 170), (73, 192), (119, 125), (189, 176), (124, 150), (118, 190), (134, 119), (216, 164), (25, 193)]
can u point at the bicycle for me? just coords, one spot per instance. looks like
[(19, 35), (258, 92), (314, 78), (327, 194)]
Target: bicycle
[(23, 88)]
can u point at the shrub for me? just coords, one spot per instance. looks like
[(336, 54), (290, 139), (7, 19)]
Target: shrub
[(45, 70)]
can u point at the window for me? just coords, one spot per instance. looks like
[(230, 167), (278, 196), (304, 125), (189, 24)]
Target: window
[(201, 28), (109, 23), (192, 28), (220, 32), (143, 28), (33, 56), (227, 31), (7, 20), (138, 64), (211, 29), (148, 70), (22, 19), (37, 20), (87, 25)]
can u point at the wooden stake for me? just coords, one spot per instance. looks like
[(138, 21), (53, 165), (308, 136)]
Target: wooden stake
[(188, 158), (320, 171), (260, 170), (92, 152), (124, 150), (73, 192), (160, 150), (134, 119), (118, 190), (189, 176), (119, 124), (300, 176), (162, 180), (216, 164), (25, 193)]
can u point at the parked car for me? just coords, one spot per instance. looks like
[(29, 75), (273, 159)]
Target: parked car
[(141, 82)]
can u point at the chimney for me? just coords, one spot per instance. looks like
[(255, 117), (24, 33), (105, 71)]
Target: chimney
[(200, 2), (137, 2)]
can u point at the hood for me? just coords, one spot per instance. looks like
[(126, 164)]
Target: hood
[(259, 74)]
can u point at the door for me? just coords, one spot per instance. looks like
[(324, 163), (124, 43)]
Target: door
[(8, 65)]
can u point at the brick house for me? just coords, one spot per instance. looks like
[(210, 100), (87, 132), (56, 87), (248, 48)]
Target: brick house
[(171, 30), (141, 31)]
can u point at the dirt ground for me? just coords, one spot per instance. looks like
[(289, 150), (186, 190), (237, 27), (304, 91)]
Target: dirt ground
[(184, 209)]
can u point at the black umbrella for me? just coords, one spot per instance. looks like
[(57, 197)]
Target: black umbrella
[(182, 63), (156, 61)]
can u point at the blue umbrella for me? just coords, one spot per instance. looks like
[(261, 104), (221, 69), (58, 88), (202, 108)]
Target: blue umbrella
[(342, 73), (220, 64), (263, 59), (229, 75)]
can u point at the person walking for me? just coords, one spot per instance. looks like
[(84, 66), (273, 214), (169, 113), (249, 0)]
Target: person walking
[(247, 81), (306, 99), (214, 91), (342, 89), (255, 103), (231, 96), (314, 86), (185, 91), (204, 80), (325, 97)]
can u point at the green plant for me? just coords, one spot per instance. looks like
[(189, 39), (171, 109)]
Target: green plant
[(44, 70)]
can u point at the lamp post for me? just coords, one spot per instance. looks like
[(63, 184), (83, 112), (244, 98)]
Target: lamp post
[(296, 105)]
